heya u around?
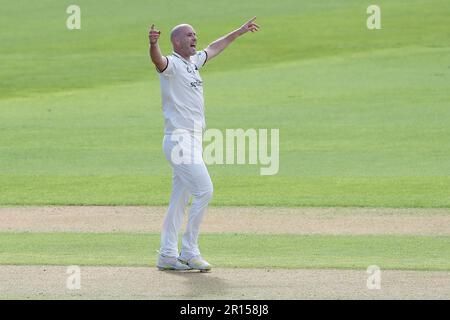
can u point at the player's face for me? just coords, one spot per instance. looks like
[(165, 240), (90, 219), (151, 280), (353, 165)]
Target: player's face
[(188, 41)]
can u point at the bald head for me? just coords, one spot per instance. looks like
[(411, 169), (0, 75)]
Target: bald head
[(179, 30), (184, 40)]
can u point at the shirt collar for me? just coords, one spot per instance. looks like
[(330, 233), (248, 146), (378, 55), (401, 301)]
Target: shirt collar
[(180, 57)]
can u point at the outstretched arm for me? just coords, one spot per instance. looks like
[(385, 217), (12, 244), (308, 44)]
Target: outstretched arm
[(220, 44), (154, 51)]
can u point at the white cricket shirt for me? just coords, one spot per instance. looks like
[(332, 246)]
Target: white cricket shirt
[(182, 93)]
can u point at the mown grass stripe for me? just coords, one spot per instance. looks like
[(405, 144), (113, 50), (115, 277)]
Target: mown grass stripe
[(231, 250)]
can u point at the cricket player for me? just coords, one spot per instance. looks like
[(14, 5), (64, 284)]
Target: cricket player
[(184, 124)]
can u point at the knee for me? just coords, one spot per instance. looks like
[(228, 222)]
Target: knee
[(207, 193)]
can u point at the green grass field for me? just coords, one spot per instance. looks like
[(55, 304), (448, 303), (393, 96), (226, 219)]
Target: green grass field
[(364, 116), (231, 250)]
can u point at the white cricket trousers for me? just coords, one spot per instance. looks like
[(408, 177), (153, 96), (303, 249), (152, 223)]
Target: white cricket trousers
[(190, 178)]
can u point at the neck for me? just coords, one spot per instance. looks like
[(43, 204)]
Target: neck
[(185, 57)]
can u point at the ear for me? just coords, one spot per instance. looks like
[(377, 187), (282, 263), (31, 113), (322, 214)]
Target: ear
[(176, 42)]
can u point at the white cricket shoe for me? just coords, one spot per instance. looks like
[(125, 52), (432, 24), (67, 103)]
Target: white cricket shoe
[(197, 263), (171, 263)]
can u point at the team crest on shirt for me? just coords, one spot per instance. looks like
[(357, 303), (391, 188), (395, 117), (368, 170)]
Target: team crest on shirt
[(189, 69)]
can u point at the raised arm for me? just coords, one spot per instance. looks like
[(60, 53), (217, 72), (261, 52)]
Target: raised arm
[(155, 53), (220, 44)]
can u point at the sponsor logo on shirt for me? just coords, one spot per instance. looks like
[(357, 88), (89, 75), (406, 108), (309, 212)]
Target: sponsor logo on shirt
[(196, 83)]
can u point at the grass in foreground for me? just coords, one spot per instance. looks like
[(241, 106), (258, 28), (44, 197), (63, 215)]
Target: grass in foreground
[(231, 250), (399, 192)]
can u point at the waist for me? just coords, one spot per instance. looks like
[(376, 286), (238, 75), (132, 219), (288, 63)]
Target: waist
[(174, 126)]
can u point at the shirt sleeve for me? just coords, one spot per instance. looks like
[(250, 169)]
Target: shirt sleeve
[(200, 59), (170, 68)]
